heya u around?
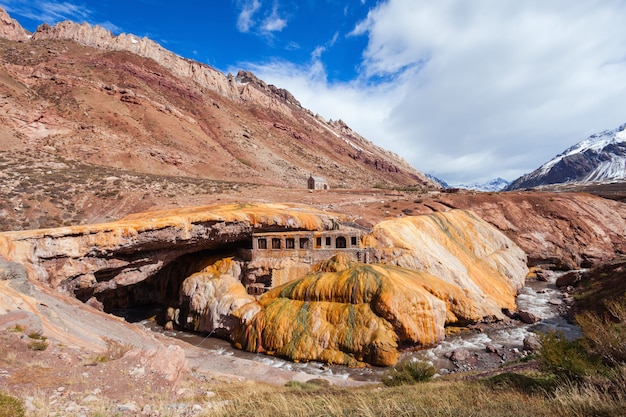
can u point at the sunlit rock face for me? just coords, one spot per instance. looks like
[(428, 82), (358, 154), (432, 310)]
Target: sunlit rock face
[(356, 315), (210, 298), (459, 248), (101, 257), (447, 268), (431, 271)]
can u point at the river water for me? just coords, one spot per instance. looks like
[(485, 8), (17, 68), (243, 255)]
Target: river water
[(534, 298)]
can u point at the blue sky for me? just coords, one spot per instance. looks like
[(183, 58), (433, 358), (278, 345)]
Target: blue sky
[(467, 90)]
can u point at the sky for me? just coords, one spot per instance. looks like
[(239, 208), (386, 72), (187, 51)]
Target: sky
[(465, 90)]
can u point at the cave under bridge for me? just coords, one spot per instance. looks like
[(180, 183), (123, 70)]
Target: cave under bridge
[(141, 261)]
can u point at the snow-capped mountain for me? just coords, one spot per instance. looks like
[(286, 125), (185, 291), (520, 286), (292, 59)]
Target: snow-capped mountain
[(438, 181), (599, 158), (497, 184)]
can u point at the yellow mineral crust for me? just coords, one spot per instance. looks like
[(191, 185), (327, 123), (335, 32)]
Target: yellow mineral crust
[(435, 270), (459, 248), (76, 243), (357, 315), (213, 295)]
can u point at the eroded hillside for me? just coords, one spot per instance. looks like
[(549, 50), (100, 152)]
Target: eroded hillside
[(77, 92)]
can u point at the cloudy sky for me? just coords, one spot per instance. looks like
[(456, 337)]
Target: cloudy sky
[(466, 90)]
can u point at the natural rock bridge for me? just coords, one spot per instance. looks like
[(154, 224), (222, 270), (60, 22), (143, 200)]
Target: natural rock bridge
[(431, 271), (95, 259)]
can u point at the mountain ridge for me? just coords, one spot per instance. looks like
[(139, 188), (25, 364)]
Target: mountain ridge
[(600, 158), (105, 93), (493, 185)]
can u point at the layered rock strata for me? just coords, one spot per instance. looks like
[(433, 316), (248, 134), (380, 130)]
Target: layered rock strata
[(102, 257), (440, 269), (559, 230), (459, 248)]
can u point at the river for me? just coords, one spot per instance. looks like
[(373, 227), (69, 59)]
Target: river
[(535, 298)]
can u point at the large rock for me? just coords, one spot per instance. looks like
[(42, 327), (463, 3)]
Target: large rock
[(459, 248), (352, 316), (101, 257), (447, 268), (209, 299), (442, 268), (564, 230)]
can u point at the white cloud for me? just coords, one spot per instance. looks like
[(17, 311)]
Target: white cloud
[(248, 10), (47, 11), (475, 90), (247, 20), (273, 22)]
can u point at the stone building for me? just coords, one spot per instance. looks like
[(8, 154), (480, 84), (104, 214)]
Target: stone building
[(317, 183), (279, 257)]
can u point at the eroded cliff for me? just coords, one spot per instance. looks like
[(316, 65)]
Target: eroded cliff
[(452, 267)]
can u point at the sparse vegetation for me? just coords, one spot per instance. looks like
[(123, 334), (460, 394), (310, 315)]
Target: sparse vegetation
[(38, 341), (115, 350), (11, 406), (409, 372), (600, 351)]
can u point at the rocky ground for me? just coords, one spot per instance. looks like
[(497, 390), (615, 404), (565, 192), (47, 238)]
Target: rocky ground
[(53, 357), (152, 374)]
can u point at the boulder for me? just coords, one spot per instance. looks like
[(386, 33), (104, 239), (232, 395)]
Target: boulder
[(528, 317), (569, 279), (209, 299), (459, 355), (545, 275), (459, 248), (532, 343), (169, 362)]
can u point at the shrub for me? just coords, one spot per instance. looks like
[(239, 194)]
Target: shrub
[(38, 345), (567, 360), (18, 328), (409, 372), (11, 406), (606, 336), (518, 382), (38, 342), (115, 350)]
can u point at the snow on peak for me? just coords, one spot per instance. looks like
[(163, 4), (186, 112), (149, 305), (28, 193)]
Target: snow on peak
[(595, 142), (497, 184)]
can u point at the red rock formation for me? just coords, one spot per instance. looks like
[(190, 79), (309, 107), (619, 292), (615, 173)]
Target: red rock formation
[(11, 29), (567, 230)]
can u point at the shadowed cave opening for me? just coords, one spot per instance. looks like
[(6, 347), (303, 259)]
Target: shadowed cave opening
[(152, 296)]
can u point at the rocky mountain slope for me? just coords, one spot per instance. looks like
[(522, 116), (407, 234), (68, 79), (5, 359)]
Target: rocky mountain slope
[(599, 158), (74, 93)]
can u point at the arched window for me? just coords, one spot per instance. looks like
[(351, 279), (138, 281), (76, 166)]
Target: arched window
[(340, 242)]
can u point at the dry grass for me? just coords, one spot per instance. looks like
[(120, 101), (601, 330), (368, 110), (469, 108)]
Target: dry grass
[(441, 398), (10, 406), (115, 350), (603, 397)]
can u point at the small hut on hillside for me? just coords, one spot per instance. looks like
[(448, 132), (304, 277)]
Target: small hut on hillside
[(318, 183)]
